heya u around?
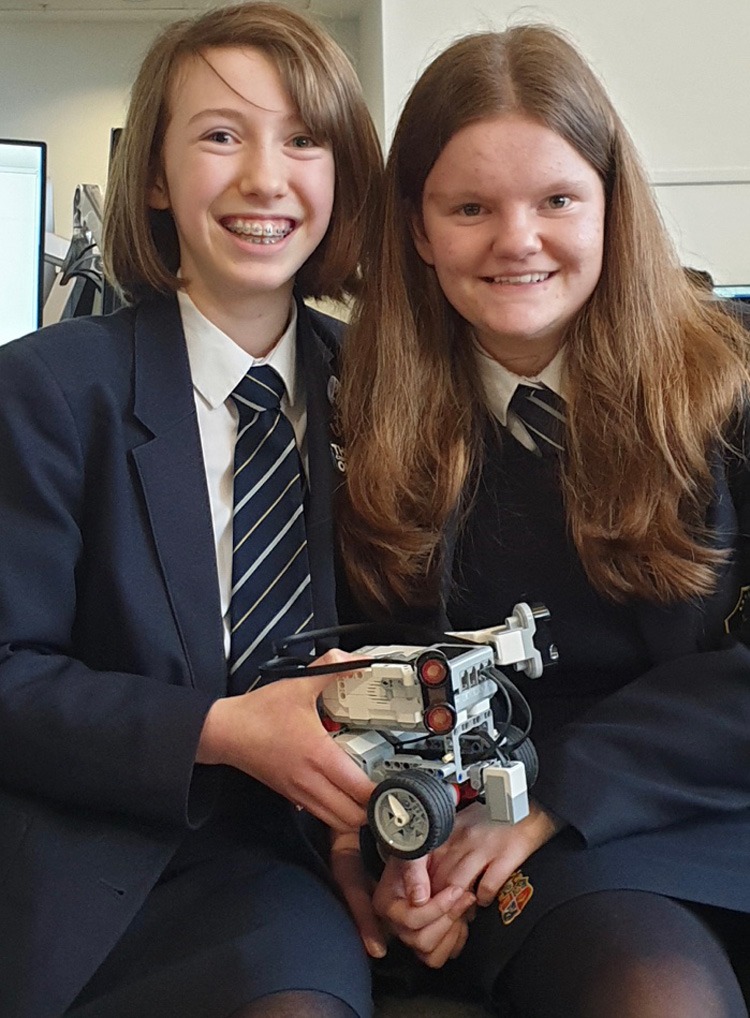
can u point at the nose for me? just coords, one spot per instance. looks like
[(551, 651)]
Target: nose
[(263, 172), (517, 234)]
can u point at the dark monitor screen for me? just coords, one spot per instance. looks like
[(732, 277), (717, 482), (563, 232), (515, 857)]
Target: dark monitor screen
[(22, 192)]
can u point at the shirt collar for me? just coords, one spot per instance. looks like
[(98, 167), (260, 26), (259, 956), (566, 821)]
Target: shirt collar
[(499, 383), (217, 363)]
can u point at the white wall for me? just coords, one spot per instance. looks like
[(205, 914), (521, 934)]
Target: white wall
[(67, 83), (677, 71), (371, 63)]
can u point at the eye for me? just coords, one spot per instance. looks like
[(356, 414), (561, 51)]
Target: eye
[(559, 201), (304, 141), (220, 137), (470, 209)]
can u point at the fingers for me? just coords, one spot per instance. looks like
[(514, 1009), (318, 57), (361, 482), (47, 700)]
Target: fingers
[(440, 912), (436, 941), (349, 788), (446, 868), (344, 772), (424, 928), (427, 926), (334, 799), (449, 947), (463, 934), (274, 734), (349, 874), (402, 881), (415, 880), (331, 657), (333, 809), (494, 877), (324, 779)]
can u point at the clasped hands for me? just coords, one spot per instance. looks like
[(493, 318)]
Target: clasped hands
[(429, 903)]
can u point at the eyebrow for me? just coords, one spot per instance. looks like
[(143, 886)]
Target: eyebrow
[(567, 184), (228, 113), (560, 186), (225, 114), (465, 195)]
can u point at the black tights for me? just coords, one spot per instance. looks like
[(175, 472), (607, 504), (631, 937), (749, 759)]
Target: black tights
[(626, 954), (296, 1004)]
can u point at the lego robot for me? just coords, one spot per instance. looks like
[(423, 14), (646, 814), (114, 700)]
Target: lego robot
[(420, 722)]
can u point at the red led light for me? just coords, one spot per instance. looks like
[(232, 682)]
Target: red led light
[(433, 671), (441, 719)]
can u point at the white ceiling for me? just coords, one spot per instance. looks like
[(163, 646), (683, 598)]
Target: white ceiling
[(157, 9)]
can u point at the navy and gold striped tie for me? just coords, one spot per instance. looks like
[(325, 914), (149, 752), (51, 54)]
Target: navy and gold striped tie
[(270, 572), (541, 411)]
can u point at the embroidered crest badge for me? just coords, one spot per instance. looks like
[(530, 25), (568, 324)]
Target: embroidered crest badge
[(514, 896)]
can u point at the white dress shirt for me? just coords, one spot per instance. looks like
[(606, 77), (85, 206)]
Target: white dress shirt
[(217, 364)]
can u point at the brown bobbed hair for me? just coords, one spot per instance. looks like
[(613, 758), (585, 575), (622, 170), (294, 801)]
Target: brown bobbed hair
[(655, 368), (141, 250)]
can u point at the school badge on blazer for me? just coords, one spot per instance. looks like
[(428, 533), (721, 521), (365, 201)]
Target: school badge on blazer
[(339, 460), (514, 896)]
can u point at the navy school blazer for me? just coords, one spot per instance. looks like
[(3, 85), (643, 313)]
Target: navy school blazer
[(654, 778), (111, 643)]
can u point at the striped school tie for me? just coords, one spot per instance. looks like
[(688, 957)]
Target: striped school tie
[(271, 596), (541, 411)]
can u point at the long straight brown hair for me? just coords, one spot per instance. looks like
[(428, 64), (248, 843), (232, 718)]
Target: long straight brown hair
[(655, 370)]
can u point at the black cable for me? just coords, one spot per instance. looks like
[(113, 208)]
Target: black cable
[(513, 692)]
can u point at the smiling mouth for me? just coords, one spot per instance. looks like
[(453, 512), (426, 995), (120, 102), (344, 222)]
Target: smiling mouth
[(259, 231), (529, 277)]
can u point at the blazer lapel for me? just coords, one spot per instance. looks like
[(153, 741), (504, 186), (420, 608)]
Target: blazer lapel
[(170, 467), (316, 360)]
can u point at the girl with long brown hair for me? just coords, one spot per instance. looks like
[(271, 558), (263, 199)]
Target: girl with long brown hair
[(537, 406)]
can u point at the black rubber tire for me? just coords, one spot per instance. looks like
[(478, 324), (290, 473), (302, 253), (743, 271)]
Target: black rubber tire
[(430, 804), (526, 753), (371, 857)]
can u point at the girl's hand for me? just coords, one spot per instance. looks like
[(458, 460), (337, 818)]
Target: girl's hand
[(481, 850), (434, 926), (274, 734), (356, 886)]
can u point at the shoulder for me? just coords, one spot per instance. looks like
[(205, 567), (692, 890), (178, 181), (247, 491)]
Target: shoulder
[(79, 351), (67, 379), (327, 329), (71, 341)]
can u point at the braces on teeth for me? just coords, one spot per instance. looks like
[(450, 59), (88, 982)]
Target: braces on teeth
[(261, 233)]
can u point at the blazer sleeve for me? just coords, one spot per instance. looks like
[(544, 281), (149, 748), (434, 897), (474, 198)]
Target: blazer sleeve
[(673, 744), (110, 741), (669, 746)]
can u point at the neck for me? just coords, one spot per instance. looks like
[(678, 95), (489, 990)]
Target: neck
[(255, 323), (527, 360)]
